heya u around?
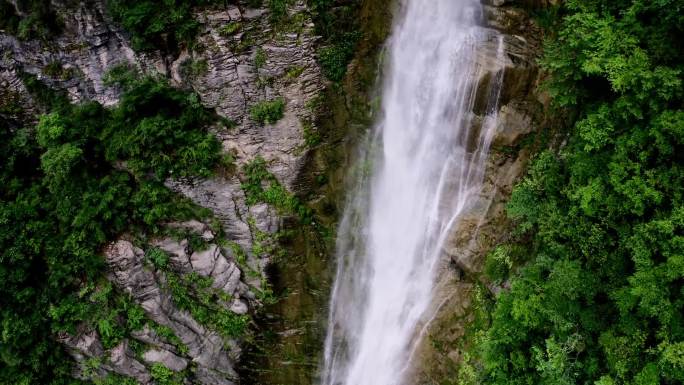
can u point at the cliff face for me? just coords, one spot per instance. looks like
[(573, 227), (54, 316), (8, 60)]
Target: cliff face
[(288, 349), (522, 120), (238, 61)]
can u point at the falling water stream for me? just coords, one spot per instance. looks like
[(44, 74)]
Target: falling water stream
[(420, 168)]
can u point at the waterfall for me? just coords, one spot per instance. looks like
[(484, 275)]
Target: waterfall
[(418, 171)]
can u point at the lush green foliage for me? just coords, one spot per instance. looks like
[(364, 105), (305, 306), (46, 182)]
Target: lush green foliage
[(260, 185), (312, 137), (192, 69), (114, 315), (114, 379), (55, 70), (169, 336), (195, 294), (334, 58), (158, 24), (278, 9), (156, 130), (230, 29), (337, 23), (601, 300), (259, 58), (158, 258), (82, 176), (268, 111), (294, 72), (165, 376)]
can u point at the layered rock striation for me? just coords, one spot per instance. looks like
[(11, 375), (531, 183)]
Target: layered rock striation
[(240, 59)]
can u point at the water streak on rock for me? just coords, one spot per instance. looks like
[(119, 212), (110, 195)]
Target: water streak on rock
[(419, 170)]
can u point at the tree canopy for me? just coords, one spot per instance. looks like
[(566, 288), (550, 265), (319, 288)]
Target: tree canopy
[(601, 220), (80, 177)]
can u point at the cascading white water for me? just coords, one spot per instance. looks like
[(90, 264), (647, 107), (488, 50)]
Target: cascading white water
[(421, 166)]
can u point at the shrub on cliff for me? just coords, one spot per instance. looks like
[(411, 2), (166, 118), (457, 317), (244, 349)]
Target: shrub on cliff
[(30, 19), (158, 24), (338, 25), (268, 111), (78, 179)]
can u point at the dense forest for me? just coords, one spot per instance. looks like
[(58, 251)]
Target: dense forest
[(597, 268), (64, 196)]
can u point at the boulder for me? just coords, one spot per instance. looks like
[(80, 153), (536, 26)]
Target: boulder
[(177, 251), (123, 362), (165, 358), (205, 261), (511, 126)]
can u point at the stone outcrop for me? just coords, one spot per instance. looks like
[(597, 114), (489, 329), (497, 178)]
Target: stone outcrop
[(93, 361), (519, 114), (206, 348), (211, 262), (234, 82), (231, 71), (88, 46), (166, 358), (512, 59)]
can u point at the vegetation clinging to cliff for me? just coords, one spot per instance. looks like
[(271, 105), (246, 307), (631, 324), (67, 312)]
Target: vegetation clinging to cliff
[(601, 300), (338, 25), (158, 24), (268, 111), (260, 185), (78, 179)]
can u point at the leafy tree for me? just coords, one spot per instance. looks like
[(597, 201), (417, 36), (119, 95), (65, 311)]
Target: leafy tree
[(601, 299), (158, 24), (82, 176)]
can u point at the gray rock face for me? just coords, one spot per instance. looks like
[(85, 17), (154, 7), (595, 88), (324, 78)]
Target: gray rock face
[(178, 252), (150, 337), (205, 348), (194, 226), (86, 343), (165, 358), (484, 224), (512, 124), (255, 63), (123, 362), (85, 347), (233, 83), (87, 48), (212, 355), (226, 199)]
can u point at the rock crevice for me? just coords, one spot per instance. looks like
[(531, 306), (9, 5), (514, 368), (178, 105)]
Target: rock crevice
[(231, 71)]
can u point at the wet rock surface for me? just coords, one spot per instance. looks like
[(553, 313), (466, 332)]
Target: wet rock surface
[(520, 114), (232, 81)]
